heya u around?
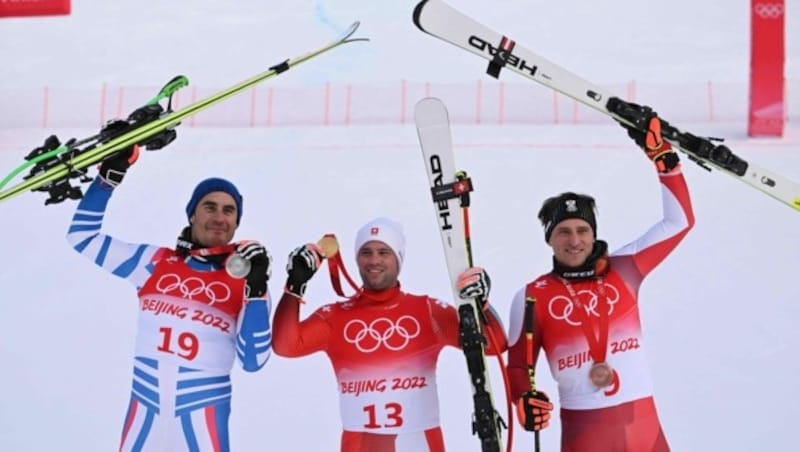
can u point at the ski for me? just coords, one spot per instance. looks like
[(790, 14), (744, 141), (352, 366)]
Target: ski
[(53, 152), (439, 19), (72, 162), (450, 192)]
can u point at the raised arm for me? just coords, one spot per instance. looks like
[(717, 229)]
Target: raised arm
[(292, 337), (658, 242), (126, 260), (653, 247)]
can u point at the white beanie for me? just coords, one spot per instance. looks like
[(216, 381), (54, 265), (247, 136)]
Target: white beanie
[(383, 230)]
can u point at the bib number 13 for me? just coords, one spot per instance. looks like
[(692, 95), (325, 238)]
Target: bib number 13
[(390, 415)]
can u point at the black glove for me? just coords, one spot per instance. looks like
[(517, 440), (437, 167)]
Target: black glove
[(657, 149), (113, 169), (260, 267), (534, 410), (303, 262), (474, 283)]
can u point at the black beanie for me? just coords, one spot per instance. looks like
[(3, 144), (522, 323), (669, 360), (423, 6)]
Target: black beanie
[(565, 206)]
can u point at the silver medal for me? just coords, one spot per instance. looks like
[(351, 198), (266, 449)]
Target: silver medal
[(237, 266)]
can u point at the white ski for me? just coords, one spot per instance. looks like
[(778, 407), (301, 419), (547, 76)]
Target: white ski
[(433, 128), (439, 19)]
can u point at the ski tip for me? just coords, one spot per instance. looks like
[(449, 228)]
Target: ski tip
[(347, 37), (430, 107), (418, 14), (429, 102), (352, 28)]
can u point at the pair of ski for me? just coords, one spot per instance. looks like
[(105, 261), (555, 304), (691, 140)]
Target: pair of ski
[(450, 190), (438, 19), (450, 194), (151, 126)]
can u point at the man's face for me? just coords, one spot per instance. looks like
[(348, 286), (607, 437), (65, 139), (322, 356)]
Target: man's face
[(572, 241), (378, 266), (214, 220)]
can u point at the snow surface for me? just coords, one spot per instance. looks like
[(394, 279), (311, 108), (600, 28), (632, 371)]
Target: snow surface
[(719, 314)]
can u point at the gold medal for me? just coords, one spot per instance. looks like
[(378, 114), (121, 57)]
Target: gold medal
[(601, 375), (329, 245)]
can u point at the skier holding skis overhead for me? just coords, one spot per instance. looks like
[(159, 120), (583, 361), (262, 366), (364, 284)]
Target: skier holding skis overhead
[(383, 342), (584, 314), (194, 318)]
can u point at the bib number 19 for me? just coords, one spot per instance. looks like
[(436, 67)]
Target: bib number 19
[(187, 343)]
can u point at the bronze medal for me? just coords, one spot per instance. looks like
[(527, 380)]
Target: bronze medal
[(601, 375)]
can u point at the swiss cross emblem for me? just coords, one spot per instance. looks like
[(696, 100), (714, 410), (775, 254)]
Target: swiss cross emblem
[(374, 231)]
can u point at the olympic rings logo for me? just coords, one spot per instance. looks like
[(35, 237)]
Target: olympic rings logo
[(215, 291), (768, 10), (382, 331), (561, 307)]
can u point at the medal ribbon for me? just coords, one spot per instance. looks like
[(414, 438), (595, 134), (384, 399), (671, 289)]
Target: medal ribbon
[(213, 251), (598, 344), (335, 264), (330, 248)]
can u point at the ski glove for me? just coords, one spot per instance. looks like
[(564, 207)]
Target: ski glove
[(260, 267), (113, 169), (474, 283), (303, 262), (533, 410), (657, 149)]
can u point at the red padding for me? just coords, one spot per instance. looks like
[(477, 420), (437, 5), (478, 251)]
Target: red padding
[(10, 8), (767, 56)]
